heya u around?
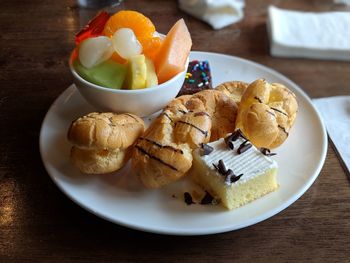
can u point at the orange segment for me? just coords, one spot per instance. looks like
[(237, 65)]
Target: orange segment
[(140, 24), (152, 47)]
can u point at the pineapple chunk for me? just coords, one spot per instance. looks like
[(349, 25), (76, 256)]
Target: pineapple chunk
[(137, 73), (151, 79)]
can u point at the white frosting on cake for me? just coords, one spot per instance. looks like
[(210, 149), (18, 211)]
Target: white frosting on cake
[(250, 163)]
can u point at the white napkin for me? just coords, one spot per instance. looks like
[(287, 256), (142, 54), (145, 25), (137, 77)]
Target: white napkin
[(345, 2), (217, 13), (309, 35), (336, 116)]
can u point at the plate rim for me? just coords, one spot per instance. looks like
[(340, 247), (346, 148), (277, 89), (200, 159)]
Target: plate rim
[(210, 230)]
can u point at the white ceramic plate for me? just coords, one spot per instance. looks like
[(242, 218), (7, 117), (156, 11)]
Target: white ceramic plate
[(119, 198)]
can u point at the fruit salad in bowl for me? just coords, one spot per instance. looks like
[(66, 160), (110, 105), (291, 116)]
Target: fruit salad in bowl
[(122, 64)]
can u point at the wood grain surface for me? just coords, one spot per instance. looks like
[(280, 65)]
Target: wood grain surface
[(39, 224)]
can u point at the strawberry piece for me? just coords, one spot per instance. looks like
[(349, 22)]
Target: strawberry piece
[(93, 28)]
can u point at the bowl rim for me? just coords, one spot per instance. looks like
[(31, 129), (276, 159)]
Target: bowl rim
[(164, 85)]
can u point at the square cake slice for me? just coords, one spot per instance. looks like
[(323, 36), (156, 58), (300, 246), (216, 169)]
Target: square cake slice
[(235, 174)]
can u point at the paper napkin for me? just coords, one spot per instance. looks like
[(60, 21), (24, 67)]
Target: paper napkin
[(217, 13), (309, 35), (335, 112)]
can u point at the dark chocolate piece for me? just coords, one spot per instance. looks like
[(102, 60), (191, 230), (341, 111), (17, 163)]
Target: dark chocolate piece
[(188, 198), (198, 78), (230, 145), (245, 146), (221, 167), (267, 152), (236, 134), (207, 199), (206, 149), (231, 177)]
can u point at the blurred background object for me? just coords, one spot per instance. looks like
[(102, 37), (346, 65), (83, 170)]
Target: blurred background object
[(218, 14), (98, 3)]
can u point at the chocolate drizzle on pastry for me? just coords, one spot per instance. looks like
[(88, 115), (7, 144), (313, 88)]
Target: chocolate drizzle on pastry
[(155, 158), (194, 126), (167, 115), (271, 113), (131, 116), (282, 112), (258, 99), (162, 146), (283, 129)]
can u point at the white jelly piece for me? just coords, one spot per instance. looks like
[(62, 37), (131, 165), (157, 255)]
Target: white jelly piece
[(95, 50), (126, 44)]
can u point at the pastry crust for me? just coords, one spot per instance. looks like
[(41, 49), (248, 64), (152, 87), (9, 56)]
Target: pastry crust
[(105, 130), (102, 142), (266, 113), (164, 153), (233, 89), (99, 161)]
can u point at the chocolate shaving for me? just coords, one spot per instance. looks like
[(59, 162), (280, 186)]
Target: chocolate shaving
[(245, 146), (206, 149), (231, 177), (188, 198), (267, 152), (228, 138), (230, 145), (238, 133), (221, 167), (207, 199)]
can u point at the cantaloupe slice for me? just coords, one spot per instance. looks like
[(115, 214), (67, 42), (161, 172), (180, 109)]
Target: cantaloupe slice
[(172, 56)]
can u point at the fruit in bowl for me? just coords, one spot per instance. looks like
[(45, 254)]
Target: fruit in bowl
[(122, 64)]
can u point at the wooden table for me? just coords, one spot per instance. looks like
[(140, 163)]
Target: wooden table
[(40, 224)]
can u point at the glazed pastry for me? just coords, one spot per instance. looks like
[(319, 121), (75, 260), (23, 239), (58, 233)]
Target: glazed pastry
[(164, 153), (102, 142), (266, 113), (233, 89)]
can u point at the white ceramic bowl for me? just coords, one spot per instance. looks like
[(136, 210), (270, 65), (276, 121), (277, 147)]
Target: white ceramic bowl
[(142, 102)]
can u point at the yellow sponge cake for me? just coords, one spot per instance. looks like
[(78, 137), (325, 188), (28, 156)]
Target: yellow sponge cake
[(234, 171)]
